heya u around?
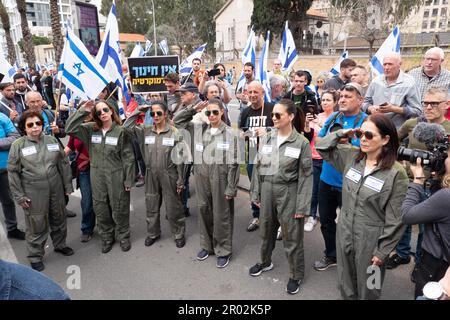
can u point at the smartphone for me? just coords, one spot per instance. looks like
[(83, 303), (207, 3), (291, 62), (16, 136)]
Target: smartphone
[(383, 104), (213, 72)]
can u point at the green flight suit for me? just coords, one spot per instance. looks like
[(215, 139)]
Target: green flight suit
[(40, 171), (282, 183), (370, 222), (164, 156), (216, 173), (112, 169)]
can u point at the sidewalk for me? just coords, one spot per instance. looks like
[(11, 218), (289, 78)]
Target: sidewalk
[(6, 251)]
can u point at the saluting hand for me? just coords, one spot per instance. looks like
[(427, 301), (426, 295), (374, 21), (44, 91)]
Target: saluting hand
[(200, 106), (88, 105)]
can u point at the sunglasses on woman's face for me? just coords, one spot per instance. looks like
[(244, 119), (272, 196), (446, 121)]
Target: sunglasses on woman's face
[(368, 134), (210, 112), (103, 110), (158, 113), (32, 124), (277, 115)]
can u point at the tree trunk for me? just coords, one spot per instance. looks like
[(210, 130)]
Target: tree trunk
[(28, 45), (7, 27), (56, 30)]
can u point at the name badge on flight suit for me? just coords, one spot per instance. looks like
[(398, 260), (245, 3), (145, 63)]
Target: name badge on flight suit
[(168, 142), (353, 175), (292, 152), (96, 139), (374, 184), (199, 147), (150, 139), (112, 141), (54, 147), (223, 146), (29, 151), (267, 149)]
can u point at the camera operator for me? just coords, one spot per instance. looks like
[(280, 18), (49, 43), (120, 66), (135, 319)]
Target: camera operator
[(434, 212), (435, 106)]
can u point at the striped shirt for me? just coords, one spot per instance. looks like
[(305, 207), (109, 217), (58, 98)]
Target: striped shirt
[(442, 79)]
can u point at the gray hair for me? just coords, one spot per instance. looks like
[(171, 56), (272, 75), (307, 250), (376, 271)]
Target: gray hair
[(209, 84), (29, 93), (439, 90), (277, 79), (437, 50)]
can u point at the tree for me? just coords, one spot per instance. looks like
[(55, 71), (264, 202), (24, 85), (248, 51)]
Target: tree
[(37, 41), (26, 34), (7, 27), (132, 16), (272, 14), (56, 30), (375, 18)]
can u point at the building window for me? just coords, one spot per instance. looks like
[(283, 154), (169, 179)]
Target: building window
[(426, 13), (436, 2), (444, 12), (428, 2), (435, 13), (442, 24), (444, 1), (433, 24), (424, 25)]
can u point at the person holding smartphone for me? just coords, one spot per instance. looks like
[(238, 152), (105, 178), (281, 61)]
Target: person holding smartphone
[(217, 73)]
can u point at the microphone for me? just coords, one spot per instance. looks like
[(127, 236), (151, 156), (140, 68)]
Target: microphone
[(429, 133)]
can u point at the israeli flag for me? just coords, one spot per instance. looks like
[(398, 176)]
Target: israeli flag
[(186, 66), (7, 71), (16, 66), (80, 72), (108, 56), (391, 44), (137, 52), (288, 53), (148, 45), (248, 55), (263, 76), (337, 67), (38, 67), (164, 47)]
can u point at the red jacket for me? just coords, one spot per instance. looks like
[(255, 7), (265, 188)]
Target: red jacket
[(130, 109)]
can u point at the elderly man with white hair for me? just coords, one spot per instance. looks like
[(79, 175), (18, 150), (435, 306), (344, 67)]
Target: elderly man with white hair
[(431, 73), (277, 87), (394, 93)]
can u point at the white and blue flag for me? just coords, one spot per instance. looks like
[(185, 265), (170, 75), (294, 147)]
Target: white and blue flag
[(80, 72), (337, 67), (138, 51), (164, 47), (288, 53), (263, 75), (148, 45), (391, 44), (186, 66), (248, 55), (7, 71)]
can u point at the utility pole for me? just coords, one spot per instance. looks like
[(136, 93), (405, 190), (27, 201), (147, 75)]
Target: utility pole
[(154, 28)]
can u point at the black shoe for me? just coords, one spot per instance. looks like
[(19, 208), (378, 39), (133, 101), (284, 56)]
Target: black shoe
[(125, 245), (258, 268), (395, 260), (66, 251), (70, 214), (414, 274), (150, 241), (293, 286), (180, 242), (187, 213), (107, 246), (16, 234), (38, 266), (324, 263)]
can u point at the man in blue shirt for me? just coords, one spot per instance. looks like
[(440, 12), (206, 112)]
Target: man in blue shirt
[(8, 135), (330, 187)]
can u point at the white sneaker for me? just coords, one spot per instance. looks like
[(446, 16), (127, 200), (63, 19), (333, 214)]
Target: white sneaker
[(279, 235), (309, 225)]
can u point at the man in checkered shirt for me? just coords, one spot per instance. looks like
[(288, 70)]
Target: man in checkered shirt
[(431, 73)]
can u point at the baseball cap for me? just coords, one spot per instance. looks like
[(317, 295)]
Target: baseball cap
[(188, 87)]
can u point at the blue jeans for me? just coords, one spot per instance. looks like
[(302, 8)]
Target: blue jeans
[(18, 282), (317, 170), (255, 209), (403, 248), (87, 209)]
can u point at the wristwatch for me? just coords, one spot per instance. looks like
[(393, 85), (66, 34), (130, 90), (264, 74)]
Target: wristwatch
[(434, 291)]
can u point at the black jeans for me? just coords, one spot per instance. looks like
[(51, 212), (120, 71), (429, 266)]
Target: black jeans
[(330, 198), (8, 206), (317, 170)]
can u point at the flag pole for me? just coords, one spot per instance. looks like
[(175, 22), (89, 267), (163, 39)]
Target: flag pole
[(4, 104), (111, 94)]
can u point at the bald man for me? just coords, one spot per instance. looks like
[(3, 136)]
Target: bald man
[(255, 119), (394, 93)]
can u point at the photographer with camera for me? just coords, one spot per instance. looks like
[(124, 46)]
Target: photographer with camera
[(434, 212), (416, 134)]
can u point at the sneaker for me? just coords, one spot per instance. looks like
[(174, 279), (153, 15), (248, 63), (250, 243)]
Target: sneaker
[(180, 242), (125, 245), (38, 266), (150, 241), (140, 181), (293, 286), (202, 255), (254, 224), (258, 268), (324, 263), (222, 262), (107, 246), (279, 235), (66, 251), (86, 237), (70, 214), (16, 234), (395, 260), (310, 223)]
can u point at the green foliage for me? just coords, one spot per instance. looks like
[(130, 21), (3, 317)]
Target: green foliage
[(37, 40)]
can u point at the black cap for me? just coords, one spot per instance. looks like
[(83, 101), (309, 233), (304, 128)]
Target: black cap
[(188, 87)]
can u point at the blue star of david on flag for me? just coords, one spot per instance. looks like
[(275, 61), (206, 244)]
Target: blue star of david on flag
[(78, 67)]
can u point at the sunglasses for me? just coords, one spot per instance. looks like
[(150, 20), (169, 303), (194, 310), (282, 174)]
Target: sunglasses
[(368, 134), (214, 112), (276, 115), (158, 113), (433, 104), (32, 124), (103, 110)]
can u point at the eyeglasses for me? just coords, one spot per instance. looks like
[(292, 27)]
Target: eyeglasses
[(368, 134), (158, 113), (277, 115), (214, 112), (103, 110), (32, 124), (433, 104)]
